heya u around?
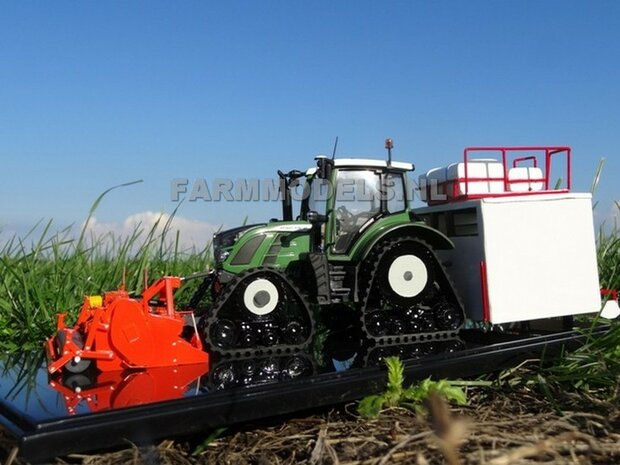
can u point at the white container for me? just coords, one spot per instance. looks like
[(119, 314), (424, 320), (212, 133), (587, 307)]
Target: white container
[(538, 250), (485, 176)]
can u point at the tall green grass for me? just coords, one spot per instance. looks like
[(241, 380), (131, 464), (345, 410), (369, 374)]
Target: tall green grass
[(608, 241), (608, 254), (46, 272)]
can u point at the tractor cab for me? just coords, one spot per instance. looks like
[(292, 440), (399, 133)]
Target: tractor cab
[(344, 197)]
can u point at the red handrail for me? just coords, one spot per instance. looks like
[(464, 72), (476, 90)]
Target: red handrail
[(549, 152), (518, 160), (510, 158)]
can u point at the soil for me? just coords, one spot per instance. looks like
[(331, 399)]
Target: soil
[(496, 428)]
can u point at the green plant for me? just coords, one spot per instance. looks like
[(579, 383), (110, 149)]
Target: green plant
[(608, 255), (215, 434), (44, 273), (412, 397)]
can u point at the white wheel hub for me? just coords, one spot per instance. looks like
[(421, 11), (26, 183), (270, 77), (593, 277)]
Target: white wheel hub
[(407, 276), (261, 297)]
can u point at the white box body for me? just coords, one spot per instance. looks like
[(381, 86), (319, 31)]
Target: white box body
[(539, 252)]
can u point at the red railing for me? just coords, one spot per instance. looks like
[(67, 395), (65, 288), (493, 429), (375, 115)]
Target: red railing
[(511, 157), (549, 152), (518, 160)]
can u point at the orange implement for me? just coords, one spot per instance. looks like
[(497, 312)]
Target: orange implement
[(117, 389), (120, 332)]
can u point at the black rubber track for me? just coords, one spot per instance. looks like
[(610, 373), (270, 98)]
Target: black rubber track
[(226, 300), (370, 288)]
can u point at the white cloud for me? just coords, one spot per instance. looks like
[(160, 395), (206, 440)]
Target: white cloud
[(608, 218), (192, 233)]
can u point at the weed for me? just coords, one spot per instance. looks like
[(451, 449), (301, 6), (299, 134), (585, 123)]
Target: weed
[(412, 397), (199, 449)]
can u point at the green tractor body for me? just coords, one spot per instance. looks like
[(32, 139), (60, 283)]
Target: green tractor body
[(355, 242)]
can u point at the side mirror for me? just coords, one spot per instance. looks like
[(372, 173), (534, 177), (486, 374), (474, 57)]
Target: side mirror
[(324, 167), (316, 218), (294, 174)]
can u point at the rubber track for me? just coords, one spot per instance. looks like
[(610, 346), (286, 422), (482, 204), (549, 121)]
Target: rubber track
[(280, 360), (375, 355), (444, 281), (278, 349)]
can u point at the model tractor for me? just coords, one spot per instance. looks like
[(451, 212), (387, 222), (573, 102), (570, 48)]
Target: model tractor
[(518, 247), (355, 241), (495, 229)]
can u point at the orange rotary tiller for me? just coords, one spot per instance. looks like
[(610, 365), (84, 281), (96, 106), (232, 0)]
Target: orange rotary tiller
[(120, 332)]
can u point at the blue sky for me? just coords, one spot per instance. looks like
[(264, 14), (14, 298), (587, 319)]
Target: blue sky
[(93, 94)]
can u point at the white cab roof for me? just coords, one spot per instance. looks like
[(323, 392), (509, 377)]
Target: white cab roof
[(365, 163)]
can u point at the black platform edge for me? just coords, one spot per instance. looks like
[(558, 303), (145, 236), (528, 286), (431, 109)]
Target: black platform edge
[(147, 423)]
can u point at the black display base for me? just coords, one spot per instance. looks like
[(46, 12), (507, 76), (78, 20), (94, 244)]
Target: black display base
[(48, 418)]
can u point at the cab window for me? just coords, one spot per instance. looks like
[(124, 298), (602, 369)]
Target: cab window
[(358, 200), (318, 193), (394, 189)]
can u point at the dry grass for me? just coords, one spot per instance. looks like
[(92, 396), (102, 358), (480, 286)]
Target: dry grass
[(517, 429), (498, 432)]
